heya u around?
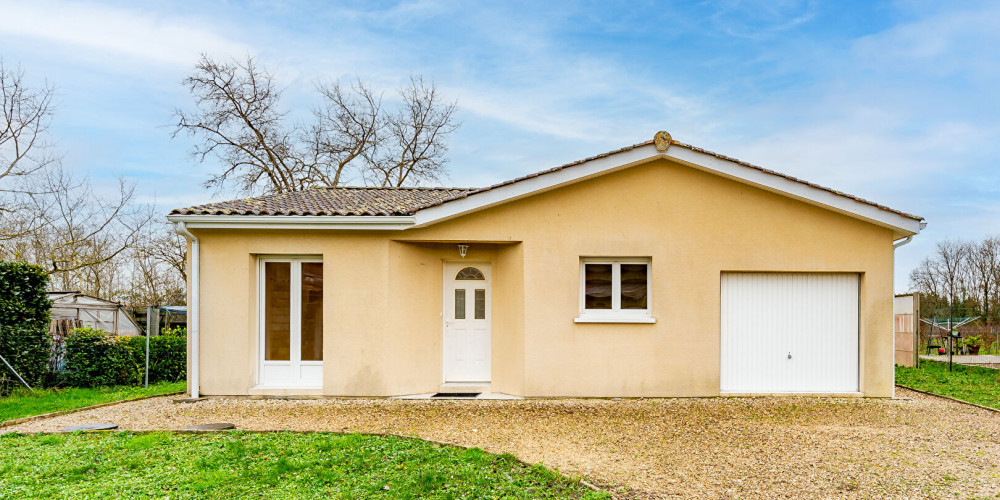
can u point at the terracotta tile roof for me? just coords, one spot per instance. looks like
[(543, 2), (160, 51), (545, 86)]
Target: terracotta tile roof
[(406, 201), (331, 201)]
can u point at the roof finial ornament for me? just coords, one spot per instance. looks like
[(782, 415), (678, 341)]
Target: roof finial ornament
[(662, 140)]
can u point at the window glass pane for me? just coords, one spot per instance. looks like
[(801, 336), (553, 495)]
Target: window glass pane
[(312, 311), (597, 286), (480, 303), (459, 303), (470, 273), (277, 310), (634, 286)]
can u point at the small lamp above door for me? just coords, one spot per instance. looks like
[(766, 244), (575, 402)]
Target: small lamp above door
[(463, 250)]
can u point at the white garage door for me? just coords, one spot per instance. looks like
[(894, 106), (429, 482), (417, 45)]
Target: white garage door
[(789, 332)]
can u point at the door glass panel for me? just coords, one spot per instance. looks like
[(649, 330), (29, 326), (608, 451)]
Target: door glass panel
[(459, 303), (312, 311), (480, 303), (470, 273), (634, 286), (598, 286), (277, 310)]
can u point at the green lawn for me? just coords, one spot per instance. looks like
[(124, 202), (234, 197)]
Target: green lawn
[(968, 383), (23, 403), (238, 464)]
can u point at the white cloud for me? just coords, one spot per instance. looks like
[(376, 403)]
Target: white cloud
[(756, 19), (89, 28)]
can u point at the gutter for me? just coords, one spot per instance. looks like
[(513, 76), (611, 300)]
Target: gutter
[(194, 312)]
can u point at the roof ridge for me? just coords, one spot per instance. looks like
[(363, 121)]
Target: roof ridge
[(399, 188)]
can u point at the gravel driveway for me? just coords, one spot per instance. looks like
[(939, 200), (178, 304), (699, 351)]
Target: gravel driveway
[(912, 446)]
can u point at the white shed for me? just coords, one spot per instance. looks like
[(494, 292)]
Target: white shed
[(93, 312)]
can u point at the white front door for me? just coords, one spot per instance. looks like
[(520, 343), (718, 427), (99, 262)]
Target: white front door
[(291, 322), (467, 322)]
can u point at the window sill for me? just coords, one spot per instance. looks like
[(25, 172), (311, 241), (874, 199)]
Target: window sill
[(613, 319)]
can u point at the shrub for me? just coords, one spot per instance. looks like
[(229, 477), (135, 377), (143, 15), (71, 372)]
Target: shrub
[(23, 297), (178, 331), (167, 359), (95, 359), (27, 349), (24, 323)]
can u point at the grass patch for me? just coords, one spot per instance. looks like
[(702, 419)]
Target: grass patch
[(264, 465), (23, 403), (968, 383)]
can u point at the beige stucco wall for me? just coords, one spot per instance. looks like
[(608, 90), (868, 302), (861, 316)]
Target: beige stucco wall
[(383, 290)]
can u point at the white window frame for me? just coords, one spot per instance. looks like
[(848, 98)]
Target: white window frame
[(295, 348), (616, 314)]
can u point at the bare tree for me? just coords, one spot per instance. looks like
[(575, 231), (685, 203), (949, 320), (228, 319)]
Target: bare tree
[(951, 256), (24, 121), (78, 231), (983, 266), (239, 122), (926, 278), (347, 129), (26, 116), (157, 271), (414, 145), (102, 245)]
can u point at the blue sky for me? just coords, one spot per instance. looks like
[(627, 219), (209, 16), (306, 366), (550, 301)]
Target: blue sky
[(895, 102)]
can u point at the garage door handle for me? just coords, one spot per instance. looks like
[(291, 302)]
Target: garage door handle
[(789, 355)]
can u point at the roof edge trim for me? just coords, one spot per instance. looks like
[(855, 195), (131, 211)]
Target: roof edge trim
[(795, 189), (686, 155), (354, 222)]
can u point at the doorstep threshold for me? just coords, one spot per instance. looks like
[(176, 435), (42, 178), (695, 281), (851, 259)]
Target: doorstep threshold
[(430, 396)]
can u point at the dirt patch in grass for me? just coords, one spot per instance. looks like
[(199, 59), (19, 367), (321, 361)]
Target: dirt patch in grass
[(911, 446)]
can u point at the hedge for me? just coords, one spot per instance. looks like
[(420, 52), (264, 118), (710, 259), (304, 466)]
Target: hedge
[(24, 300), (95, 358), (27, 349), (167, 357), (24, 324)]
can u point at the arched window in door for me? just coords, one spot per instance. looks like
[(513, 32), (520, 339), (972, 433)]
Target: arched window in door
[(470, 274)]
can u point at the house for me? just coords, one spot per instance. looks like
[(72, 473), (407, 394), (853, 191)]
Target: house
[(659, 269)]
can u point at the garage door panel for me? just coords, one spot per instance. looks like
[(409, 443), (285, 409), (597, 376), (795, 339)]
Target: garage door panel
[(767, 317)]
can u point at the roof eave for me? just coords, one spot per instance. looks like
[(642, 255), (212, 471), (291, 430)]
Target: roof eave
[(351, 222)]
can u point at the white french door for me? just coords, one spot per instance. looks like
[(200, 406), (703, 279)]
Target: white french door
[(291, 322), (467, 322)]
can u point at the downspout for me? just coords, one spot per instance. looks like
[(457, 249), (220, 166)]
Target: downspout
[(193, 309), (916, 321)]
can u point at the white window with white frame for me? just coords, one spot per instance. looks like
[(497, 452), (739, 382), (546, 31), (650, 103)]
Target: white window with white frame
[(615, 290)]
